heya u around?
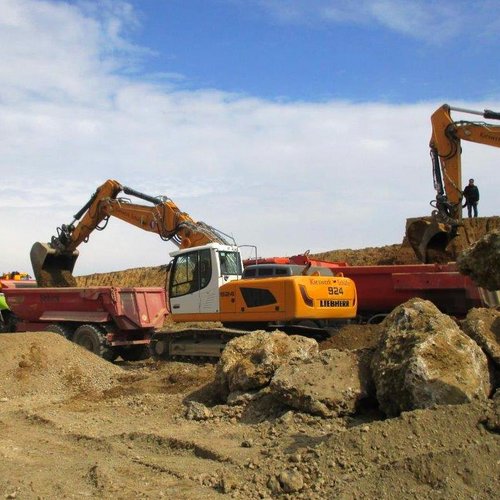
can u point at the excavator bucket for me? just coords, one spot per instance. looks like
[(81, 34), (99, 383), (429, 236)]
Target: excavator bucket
[(429, 239), (51, 267)]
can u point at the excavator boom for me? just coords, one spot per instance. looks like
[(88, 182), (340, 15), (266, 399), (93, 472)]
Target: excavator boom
[(53, 262), (429, 237)]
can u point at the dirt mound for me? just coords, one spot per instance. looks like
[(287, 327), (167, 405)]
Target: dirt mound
[(443, 452), (140, 276), (351, 337), (371, 256), (46, 364), (471, 231)]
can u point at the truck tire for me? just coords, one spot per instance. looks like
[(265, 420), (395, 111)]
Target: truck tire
[(91, 337), (60, 329), (7, 321), (135, 353)]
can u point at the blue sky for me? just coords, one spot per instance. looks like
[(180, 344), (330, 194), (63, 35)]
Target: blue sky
[(390, 51), (292, 125)]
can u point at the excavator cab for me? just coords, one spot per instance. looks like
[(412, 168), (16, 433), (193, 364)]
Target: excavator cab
[(52, 267), (196, 275)]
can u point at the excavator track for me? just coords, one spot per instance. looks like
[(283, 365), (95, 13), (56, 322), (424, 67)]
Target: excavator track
[(192, 344)]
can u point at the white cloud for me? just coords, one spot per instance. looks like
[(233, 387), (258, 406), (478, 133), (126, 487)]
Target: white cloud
[(285, 176), (434, 22)]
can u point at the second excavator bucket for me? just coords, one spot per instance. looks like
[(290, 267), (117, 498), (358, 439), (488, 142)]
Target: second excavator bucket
[(429, 239), (51, 267)]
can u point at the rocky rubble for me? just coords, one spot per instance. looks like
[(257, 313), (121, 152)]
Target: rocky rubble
[(249, 362), (331, 384), (424, 359), (482, 261), (158, 429)]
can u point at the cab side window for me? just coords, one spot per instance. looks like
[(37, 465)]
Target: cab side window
[(192, 272)]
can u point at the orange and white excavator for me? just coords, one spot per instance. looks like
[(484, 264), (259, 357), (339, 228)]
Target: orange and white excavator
[(429, 238), (206, 281)]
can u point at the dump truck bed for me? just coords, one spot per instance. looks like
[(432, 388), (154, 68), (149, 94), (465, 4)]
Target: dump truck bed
[(381, 288), (128, 308)]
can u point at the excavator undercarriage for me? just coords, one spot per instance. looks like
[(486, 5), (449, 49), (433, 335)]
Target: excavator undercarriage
[(195, 343)]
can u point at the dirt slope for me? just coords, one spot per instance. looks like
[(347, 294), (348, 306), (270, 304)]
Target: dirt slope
[(48, 365), (140, 276)]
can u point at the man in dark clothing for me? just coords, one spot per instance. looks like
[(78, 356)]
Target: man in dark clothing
[(471, 195)]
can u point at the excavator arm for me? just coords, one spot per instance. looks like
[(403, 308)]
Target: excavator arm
[(53, 262), (429, 238)]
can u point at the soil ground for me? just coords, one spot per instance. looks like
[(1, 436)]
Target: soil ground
[(73, 425)]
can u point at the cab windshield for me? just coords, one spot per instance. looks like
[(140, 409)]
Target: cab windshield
[(230, 263)]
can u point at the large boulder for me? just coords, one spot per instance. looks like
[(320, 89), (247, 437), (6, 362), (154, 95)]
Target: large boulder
[(248, 362), (483, 326), (482, 261), (424, 359), (330, 385)]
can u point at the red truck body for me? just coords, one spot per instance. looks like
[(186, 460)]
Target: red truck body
[(381, 288), (121, 316)]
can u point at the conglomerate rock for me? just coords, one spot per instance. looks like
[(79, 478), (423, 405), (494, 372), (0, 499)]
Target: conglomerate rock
[(424, 359), (483, 326), (482, 261), (330, 385), (249, 362)]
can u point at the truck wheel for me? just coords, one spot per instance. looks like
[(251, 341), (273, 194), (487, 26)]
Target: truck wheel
[(91, 337), (135, 353), (7, 322), (63, 330)]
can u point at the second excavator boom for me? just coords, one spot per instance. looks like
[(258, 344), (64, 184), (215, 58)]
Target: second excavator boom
[(430, 237)]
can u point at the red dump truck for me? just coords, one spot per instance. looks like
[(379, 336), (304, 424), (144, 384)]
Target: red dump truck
[(109, 321), (381, 288)]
